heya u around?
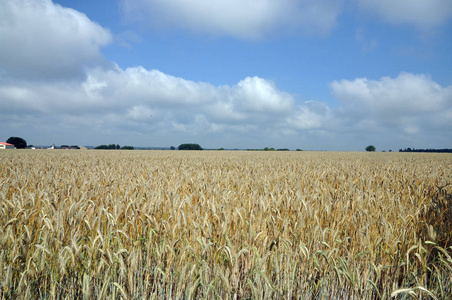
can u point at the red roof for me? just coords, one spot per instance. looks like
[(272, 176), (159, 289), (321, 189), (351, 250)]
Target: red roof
[(6, 144)]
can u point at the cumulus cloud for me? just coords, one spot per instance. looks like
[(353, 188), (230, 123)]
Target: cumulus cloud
[(141, 100), (245, 19), (421, 13), (257, 19), (137, 87), (43, 40), (409, 102), (136, 102), (259, 95), (311, 115)]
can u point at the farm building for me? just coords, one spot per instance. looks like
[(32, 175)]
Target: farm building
[(6, 146)]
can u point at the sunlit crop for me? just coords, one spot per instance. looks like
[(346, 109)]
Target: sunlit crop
[(224, 225)]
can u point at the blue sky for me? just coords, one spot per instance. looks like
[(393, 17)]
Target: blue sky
[(315, 75)]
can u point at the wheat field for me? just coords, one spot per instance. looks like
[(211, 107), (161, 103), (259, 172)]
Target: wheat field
[(225, 225)]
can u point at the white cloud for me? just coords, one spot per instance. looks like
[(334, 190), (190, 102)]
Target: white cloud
[(407, 93), (43, 40), (245, 19), (312, 115), (259, 95), (137, 86), (408, 102), (141, 100), (421, 13), (134, 103)]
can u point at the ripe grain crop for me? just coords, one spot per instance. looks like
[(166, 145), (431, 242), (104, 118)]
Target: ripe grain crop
[(225, 225)]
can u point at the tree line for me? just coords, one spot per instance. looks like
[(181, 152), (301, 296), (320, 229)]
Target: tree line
[(272, 149), (113, 147), (426, 150)]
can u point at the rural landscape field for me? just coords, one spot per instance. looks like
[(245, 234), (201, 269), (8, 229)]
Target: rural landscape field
[(224, 225)]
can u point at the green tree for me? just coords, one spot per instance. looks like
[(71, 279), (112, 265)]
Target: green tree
[(18, 142), (108, 147), (189, 147), (127, 148), (370, 148)]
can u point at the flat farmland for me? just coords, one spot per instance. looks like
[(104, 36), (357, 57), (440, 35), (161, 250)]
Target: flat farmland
[(224, 225)]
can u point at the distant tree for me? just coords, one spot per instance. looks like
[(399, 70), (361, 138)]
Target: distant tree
[(127, 148), (189, 147), (282, 149), (429, 150), (107, 147), (299, 150), (18, 142), (370, 148), (221, 149), (64, 146), (266, 149), (172, 148)]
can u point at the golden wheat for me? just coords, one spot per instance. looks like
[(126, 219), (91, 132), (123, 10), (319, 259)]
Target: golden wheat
[(216, 225)]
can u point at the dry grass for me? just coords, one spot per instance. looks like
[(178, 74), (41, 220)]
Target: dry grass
[(225, 225)]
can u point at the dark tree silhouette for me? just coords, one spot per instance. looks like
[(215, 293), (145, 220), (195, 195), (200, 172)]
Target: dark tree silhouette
[(18, 142), (189, 147), (426, 150)]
